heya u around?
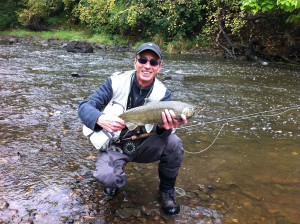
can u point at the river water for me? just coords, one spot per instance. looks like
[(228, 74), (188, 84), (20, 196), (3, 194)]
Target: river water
[(242, 148)]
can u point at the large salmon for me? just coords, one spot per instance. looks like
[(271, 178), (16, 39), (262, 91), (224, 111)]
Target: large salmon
[(150, 113)]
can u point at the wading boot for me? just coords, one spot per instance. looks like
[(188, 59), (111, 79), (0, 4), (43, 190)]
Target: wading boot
[(168, 202), (110, 191)]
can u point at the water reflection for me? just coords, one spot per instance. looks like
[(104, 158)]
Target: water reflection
[(249, 175)]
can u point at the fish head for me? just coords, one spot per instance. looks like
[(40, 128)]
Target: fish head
[(188, 111)]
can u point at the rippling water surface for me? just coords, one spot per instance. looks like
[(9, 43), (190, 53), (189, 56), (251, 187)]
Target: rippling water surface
[(242, 148)]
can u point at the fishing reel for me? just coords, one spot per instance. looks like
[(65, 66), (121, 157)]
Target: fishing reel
[(129, 147)]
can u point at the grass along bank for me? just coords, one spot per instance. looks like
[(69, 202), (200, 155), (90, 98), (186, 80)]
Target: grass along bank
[(174, 46), (68, 35)]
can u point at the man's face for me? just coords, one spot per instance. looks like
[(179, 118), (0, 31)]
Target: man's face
[(145, 73)]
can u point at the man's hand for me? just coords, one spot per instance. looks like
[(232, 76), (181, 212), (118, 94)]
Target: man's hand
[(170, 121), (110, 123)]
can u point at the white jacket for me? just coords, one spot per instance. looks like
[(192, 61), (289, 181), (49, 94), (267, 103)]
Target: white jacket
[(121, 85)]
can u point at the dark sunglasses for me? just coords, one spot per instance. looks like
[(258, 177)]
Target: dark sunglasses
[(144, 61)]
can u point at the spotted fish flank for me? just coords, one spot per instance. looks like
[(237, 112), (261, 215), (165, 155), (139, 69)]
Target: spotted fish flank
[(150, 113)]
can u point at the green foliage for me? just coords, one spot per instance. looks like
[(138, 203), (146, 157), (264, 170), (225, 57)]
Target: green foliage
[(227, 11), (108, 39), (35, 12), (235, 12), (289, 6), (267, 5), (39, 13), (178, 23), (8, 18), (95, 13), (69, 35), (143, 17)]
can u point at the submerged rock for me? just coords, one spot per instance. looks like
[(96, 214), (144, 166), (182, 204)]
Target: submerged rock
[(75, 75), (125, 213)]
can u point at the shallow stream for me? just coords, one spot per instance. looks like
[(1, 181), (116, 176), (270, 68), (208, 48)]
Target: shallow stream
[(241, 162)]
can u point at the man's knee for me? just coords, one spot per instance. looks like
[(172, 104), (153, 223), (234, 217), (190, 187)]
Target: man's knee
[(172, 157), (109, 170), (110, 179), (174, 145)]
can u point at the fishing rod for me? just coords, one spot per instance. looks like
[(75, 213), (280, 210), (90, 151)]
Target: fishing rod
[(237, 118)]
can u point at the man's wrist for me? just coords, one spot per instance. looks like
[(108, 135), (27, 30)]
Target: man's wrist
[(160, 130)]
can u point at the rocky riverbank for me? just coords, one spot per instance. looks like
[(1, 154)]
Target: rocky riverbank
[(75, 46), (56, 42)]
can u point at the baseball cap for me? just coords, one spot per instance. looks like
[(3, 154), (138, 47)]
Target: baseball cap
[(149, 46)]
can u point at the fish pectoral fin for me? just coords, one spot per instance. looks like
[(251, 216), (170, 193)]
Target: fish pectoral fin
[(149, 127), (131, 126)]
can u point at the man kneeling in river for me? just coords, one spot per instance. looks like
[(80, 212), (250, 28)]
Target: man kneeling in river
[(99, 113)]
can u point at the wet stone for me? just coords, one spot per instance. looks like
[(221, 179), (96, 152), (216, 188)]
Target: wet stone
[(145, 211), (34, 151), (75, 75), (63, 219), (88, 217), (142, 220), (194, 202), (205, 188), (198, 214), (27, 222), (126, 213), (13, 212), (3, 205), (203, 197), (174, 77), (156, 218)]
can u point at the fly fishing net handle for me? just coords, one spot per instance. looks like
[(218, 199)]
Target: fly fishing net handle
[(145, 135)]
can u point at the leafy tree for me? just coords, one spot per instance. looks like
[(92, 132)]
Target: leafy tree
[(8, 18), (227, 12), (96, 14), (290, 6), (38, 14), (143, 17), (71, 11), (236, 26), (34, 14)]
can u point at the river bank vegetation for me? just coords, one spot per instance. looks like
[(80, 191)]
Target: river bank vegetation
[(251, 29)]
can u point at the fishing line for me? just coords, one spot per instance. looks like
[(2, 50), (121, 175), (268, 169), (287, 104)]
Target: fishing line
[(242, 117)]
